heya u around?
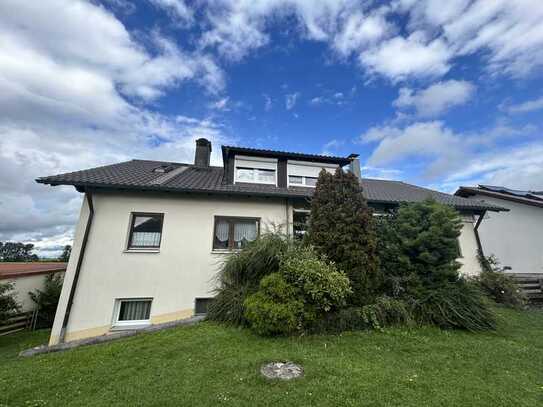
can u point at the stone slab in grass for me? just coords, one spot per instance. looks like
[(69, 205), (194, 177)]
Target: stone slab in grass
[(282, 370)]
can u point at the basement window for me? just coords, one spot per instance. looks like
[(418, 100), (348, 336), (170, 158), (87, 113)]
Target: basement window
[(133, 311), (201, 305)]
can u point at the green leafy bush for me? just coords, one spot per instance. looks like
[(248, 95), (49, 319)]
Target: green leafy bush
[(459, 305), (341, 227), (341, 320), (305, 288), (386, 312), (8, 303), (46, 300), (321, 284), (499, 286), (240, 276), (275, 309)]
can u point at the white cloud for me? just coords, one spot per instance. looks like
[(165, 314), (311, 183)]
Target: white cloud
[(63, 96), (331, 147), (221, 104), (359, 31), (291, 99), (525, 107), (400, 58), (267, 103), (177, 7), (435, 99)]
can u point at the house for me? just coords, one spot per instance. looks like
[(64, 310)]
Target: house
[(514, 237), (152, 234), (28, 277)]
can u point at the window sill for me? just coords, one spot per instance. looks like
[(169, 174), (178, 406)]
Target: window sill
[(225, 251), (129, 327), (141, 251)]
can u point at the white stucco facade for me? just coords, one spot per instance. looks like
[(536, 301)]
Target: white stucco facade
[(514, 237), (182, 270)]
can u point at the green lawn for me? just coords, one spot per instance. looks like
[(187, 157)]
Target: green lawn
[(209, 365)]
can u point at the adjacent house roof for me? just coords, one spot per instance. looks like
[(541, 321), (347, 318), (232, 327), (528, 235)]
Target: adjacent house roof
[(533, 198), (23, 269), (140, 175)]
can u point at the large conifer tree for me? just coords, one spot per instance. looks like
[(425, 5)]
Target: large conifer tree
[(342, 227)]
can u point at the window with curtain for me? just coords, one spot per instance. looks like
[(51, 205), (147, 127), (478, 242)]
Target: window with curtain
[(145, 231), (233, 233), (134, 311)]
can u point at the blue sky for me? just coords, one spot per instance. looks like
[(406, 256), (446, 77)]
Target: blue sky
[(437, 94)]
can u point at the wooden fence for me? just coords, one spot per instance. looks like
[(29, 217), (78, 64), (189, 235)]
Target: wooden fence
[(19, 322)]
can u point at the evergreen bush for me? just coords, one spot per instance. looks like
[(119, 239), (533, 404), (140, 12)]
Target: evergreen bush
[(386, 312), (276, 308), (341, 227)]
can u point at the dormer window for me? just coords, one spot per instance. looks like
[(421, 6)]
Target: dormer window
[(256, 170), (302, 181)]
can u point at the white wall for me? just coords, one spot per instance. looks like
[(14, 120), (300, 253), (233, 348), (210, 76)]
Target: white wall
[(468, 247), (183, 270), (514, 237), (24, 285)]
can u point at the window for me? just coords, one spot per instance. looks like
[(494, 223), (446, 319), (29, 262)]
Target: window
[(258, 175), (234, 233), (300, 218), (302, 181), (133, 312), (201, 305), (145, 231)]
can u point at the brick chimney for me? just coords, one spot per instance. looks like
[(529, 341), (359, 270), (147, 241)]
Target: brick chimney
[(203, 152)]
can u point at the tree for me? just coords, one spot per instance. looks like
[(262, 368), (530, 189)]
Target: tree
[(418, 247), (65, 256), (17, 252), (46, 300), (341, 227), (8, 304)]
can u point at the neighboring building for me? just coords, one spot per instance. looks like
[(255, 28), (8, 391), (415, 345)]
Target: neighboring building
[(28, 277), (514, 237), (151, 234)]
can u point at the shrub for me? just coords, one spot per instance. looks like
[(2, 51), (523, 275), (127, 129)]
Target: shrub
[(341, 227), (459, 305), (341, 320), (320, 283), (47, 300), (275, 308), (8, 303), (386, 312), (240, 276), (499, 286), (305, 288)]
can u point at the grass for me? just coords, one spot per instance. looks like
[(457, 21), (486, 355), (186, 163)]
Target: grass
[(208, 365)]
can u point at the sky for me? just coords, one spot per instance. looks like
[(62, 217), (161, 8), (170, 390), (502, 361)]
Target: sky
[(439, 94)]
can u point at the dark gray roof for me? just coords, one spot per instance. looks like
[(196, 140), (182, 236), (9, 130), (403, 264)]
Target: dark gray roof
[(531, 198), (139, 175)]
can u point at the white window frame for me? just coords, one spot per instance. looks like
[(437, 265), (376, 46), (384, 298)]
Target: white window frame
[(131, 323), (255, 164), (311, 166), (304, 181)]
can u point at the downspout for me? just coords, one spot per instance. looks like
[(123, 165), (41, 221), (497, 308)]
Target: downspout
[(476, 230), (88, 197)]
